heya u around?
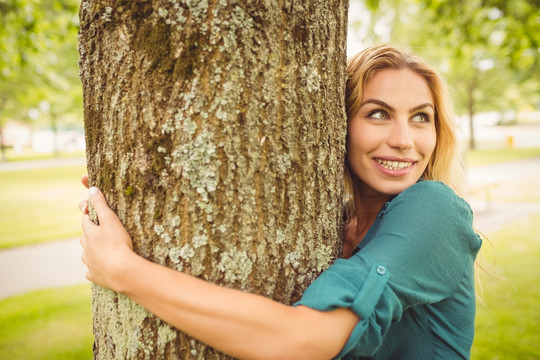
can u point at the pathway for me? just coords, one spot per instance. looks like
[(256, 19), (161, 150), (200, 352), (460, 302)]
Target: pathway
[(40, 164), (42, 266)]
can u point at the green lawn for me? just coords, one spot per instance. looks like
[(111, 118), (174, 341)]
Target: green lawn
[(507, 326), (493, 156), (40, 205), (49, 324), (28, 154)]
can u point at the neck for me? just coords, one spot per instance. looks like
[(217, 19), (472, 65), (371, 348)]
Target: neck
[(367, 209)]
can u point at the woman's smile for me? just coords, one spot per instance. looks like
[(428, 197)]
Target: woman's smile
[(396, 167)]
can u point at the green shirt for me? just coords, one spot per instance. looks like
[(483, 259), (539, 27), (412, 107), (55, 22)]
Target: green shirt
[(410, 280)]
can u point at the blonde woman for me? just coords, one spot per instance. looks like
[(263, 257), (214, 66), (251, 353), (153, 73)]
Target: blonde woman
[(404, 288)]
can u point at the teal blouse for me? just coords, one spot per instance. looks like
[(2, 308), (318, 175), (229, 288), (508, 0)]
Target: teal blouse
[(410, 280)]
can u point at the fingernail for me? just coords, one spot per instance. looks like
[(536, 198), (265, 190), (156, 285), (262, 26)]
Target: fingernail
[(93, 191)]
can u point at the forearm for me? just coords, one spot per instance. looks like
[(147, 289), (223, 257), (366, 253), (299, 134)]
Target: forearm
[(243, 325)]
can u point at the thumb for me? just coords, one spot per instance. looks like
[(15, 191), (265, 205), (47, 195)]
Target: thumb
[(99, 203)]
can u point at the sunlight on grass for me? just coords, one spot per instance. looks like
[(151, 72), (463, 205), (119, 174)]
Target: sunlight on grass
[(48, 324), (528, 191), (40, 205), (507, 327), (29, 155), (493, 156)]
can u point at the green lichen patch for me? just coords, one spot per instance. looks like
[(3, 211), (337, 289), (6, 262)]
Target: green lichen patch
[(324, 256), (197, 162), (235, 265)]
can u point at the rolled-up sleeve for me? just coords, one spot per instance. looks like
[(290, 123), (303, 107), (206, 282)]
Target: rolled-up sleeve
[(362, 288)]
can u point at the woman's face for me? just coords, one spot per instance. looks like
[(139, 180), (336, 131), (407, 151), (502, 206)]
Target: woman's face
[(392, 136)]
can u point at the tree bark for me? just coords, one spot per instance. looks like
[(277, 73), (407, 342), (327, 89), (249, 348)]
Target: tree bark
[(216, 130)]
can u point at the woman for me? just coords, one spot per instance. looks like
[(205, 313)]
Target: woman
[(404, 288)]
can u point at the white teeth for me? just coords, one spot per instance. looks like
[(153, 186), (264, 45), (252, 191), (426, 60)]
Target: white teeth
[(394, 165)]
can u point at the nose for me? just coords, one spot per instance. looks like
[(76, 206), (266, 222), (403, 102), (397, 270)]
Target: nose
[(400, 136)]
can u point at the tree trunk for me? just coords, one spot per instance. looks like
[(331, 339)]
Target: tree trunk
[(216, 130)]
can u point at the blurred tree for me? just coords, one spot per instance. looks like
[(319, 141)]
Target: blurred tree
[(38, 59), (487, 49)]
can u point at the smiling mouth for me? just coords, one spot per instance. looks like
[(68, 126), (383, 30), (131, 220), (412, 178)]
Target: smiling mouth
[(394, 165)]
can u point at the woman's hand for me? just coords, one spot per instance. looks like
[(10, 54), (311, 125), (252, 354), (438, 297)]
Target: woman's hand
[(107, 246)]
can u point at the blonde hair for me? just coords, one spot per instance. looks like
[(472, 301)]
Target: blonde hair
[(445, 164)]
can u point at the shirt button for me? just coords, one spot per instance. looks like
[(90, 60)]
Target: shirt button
[(381, 270)]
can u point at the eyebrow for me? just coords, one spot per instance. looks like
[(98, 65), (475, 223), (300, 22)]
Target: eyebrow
[(385, 105), (421, 106)]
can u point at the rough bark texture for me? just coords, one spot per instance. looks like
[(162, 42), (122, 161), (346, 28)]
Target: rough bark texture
[(216, 129)]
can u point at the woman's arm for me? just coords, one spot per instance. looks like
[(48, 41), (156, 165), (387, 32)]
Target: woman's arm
[(240, 324)]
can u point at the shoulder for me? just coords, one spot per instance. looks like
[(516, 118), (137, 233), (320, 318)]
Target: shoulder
[(430, 187), (432, 196), (432, 211)]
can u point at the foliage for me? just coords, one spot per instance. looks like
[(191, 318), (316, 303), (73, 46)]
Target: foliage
[(47, 324), (40, 205), (38, 61)]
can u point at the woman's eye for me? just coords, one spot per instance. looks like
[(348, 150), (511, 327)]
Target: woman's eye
[(378, 114), (420, 118)]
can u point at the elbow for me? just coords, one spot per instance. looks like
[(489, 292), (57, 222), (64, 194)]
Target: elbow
[(302, 348), (312, 335)]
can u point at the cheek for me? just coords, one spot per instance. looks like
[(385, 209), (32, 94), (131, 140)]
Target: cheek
[(430, 141), (429, 146), (356, 137)]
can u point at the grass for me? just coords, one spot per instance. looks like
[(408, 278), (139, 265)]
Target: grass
[(507, 327), (48, 324), (40, 205), (28, 154), (493, 156)]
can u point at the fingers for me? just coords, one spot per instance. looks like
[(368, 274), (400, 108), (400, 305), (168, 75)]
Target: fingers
[(99, 203), (84, 181), (87, 225), (83, 206)]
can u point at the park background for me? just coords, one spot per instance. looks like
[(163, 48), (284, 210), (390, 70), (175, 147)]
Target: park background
[(487, 50)]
